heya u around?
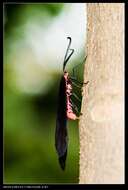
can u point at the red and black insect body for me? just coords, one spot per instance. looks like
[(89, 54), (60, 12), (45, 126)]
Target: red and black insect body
[(65, 109)]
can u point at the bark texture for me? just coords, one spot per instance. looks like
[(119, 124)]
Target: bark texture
[(102, 122)]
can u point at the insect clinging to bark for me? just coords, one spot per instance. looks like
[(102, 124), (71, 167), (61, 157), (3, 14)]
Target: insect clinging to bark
[(65, 108)]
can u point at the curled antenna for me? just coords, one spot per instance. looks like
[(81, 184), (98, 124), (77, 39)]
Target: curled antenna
[(66, 57)]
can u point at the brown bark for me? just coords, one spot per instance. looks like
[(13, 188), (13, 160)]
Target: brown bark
[(102, 122)]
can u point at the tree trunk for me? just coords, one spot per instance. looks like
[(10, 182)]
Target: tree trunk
[(102, 122)]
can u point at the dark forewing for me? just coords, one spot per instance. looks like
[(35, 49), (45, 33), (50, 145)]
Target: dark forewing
[(61, 125)]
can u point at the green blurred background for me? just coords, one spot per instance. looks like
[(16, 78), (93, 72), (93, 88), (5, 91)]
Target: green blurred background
[(35, 41)]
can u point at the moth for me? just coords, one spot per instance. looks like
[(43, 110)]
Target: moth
[(65, 109)]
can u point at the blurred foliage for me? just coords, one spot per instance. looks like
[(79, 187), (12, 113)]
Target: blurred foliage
[(17, 14), (30, 120)]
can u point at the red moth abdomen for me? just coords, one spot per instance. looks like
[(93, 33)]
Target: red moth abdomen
[(70, 114)]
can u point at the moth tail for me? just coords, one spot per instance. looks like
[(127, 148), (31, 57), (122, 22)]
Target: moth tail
[(62, 160)]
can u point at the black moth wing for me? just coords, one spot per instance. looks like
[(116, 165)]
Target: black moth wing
[(61, 136)]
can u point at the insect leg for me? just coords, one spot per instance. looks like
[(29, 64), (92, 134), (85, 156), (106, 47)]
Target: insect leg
[(74, 106), (77, 85), (73, 94), (81, 83), (75, 80), (74, 68)]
